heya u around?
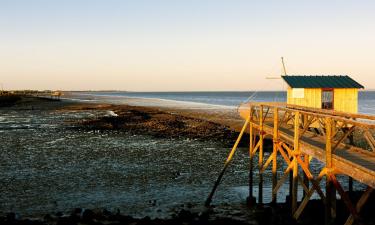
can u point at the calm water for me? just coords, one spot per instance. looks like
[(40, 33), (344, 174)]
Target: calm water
[(366, 98)]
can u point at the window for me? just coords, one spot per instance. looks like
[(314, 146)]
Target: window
[(327, 99), (298, 93)]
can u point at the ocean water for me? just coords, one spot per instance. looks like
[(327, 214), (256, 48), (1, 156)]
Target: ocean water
[(366, 98)]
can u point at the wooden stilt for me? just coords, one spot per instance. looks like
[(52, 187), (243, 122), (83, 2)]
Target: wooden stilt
[(351, 142), (295, 163), (290, 188), (251, 149), (274, 160), (330, 194), (305, 177), (227, 162), (260, 161)]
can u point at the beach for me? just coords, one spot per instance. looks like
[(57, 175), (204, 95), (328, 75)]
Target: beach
[(135, 163)]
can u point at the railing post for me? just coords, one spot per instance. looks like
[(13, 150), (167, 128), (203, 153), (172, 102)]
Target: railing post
[(274, 152), (260, 161), (295, 163)]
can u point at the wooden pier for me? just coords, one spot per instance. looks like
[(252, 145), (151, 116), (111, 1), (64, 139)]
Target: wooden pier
[(344, 144)]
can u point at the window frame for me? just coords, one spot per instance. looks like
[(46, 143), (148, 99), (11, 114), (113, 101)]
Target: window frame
[(333, 97)]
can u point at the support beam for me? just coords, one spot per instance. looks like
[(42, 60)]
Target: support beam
[(344, 196), (349, 132), (274, 152), (226, 164), (360, 204), (306, 159), (260, 161), (330, 205), (251, 155), (304, 202), (295, 163)]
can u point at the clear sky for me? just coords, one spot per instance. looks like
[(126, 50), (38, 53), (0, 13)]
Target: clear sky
[(182, 45)]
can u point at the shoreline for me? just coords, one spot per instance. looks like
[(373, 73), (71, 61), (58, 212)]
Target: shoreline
[(224, 115)]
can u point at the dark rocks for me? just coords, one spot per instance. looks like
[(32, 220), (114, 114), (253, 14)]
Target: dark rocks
[(11, 217), (149, 121), (101, 217), (87, 215), (9, 100)]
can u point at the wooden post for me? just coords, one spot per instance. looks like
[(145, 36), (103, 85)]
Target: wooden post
[(351, 142), (306, 157), (330, 195), (295, 163), (305, 178), (260, 161), (274, 152), (251, 148), (290, 186), (226, 164)]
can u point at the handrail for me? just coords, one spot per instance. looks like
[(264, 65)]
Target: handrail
[(321, 111), (342, 117)]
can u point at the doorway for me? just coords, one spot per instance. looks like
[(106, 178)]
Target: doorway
[(327, 99)]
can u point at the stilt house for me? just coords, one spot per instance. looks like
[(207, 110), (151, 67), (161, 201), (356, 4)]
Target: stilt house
[(339, 93)]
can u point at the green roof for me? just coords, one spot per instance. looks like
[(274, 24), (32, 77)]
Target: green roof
[(303, 81)]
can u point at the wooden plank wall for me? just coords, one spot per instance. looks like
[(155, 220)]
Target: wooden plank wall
[(346, 100), (312, 98)]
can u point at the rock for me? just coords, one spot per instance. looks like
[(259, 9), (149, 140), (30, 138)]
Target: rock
[(77, 213), (87, 216), (11, 217), (66, 221)]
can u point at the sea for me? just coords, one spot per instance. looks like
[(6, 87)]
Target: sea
[(366, 99)]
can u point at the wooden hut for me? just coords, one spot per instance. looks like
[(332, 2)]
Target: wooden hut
[(339, 93)]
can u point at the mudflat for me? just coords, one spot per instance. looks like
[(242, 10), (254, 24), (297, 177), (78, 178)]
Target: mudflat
[(69, 162)]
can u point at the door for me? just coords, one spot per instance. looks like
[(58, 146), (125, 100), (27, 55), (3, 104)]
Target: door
[(327, 99)]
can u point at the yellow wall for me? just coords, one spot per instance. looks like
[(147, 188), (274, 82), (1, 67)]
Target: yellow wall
[(345, 99), (312, 98)]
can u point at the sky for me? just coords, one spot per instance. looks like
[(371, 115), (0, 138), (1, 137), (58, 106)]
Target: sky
[(182, 45)]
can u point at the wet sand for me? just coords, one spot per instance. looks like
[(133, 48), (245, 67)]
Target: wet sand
[(225, 115)]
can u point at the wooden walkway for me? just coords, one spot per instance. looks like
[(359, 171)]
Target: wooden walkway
[(343, 143)]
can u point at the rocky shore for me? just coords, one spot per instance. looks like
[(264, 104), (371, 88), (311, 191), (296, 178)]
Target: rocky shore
[(151, 121), (260, 215)]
